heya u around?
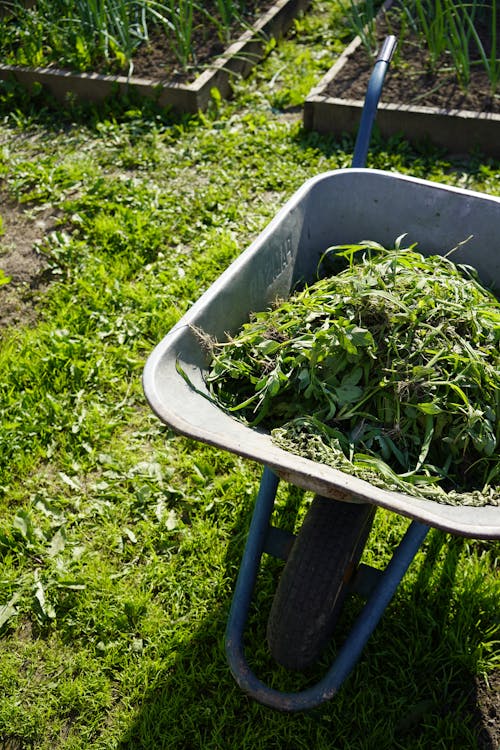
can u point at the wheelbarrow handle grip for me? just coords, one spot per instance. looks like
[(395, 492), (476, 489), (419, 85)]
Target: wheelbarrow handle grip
[(373, 93), (387, 49)]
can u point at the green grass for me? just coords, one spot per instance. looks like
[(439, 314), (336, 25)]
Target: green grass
[(119, 541)]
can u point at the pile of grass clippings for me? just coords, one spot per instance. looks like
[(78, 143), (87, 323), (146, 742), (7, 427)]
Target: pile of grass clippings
[(388, 370)]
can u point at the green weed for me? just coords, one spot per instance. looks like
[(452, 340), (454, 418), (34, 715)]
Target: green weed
[(324, 371)]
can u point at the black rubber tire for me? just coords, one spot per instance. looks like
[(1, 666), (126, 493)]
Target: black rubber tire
[(315, 580)]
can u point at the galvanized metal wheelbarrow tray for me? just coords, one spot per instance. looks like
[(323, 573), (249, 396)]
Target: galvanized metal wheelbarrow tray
[(336, 207)]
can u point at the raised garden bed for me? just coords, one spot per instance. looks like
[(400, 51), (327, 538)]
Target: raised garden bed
[(184, 97), (421, 106)]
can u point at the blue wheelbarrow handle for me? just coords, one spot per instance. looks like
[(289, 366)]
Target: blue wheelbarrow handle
[(363, 627), (372, 97)]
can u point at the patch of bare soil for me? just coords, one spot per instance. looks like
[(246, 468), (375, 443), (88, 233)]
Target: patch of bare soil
[(19, 259), (484, 705), (412, 80)]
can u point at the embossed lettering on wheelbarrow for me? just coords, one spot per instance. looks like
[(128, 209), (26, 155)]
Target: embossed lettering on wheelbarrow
[(338, 207)]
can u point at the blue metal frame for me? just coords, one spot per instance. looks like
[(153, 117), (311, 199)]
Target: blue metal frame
[(260, 539), (372, 98), (350, 651)]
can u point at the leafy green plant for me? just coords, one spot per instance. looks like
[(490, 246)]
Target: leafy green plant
[(110, 29), (450, 30), (361, 15), (177, 18), (22, 33), (491, 60), (428, 18), (226, 12), (229, 10), (459, 35), (458, 41), (361, 372)]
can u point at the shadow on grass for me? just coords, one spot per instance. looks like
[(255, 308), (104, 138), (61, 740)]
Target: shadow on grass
[(38, 104), (396, 153), (450, 616), (412, 688)]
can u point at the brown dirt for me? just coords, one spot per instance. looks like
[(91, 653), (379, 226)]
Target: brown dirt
[(156, 60), (484, 705), (411, 81), (20, 260)]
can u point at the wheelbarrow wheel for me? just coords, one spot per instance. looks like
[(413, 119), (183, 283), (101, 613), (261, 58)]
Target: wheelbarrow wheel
[(315, 580)]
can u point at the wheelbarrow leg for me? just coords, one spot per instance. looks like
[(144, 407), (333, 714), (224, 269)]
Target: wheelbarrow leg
[(350, 651), (250, 562)]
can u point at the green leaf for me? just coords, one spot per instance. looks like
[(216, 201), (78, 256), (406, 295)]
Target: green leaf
[(429, 407), (268, 346), (45, 608), (426, 442), (172, 520), (71, 585), (23, 523), (347, 394), (274, 385), (58, 542), (130, 535), (8, 610), (353, 377)]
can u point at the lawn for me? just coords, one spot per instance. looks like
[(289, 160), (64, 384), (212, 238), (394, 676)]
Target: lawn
[(120, 541)]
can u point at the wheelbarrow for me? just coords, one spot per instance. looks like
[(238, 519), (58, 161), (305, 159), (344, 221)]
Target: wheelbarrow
[(336, 207)]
